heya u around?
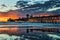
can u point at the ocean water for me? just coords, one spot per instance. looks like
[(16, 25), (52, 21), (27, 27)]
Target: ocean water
[(36, 24)]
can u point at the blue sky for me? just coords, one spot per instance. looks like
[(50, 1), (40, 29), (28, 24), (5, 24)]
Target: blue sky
[(10, 4), (13, 2)]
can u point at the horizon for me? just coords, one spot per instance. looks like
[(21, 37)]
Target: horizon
[(15, 9)]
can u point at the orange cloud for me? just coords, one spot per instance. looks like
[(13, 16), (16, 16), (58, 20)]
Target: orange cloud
[(43, 14), (4, 16)]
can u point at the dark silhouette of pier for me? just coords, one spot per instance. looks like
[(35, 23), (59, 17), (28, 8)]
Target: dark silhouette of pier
[(43, 19)]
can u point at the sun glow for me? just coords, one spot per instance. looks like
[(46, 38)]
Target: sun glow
[(4, 16), (3, 19)]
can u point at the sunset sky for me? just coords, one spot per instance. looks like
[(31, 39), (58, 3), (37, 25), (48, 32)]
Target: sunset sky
[(8, 8)]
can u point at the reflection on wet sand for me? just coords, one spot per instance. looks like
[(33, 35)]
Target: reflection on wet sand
[(19, 30), (30, 33)]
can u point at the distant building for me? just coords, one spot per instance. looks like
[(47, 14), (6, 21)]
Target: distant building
[(10, 20), (21, 20), (28, 16)]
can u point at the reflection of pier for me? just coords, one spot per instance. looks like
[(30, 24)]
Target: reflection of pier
[(44, 30)]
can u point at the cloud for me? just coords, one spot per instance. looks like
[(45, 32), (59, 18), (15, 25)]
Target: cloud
[(7, 8), (54, 9)]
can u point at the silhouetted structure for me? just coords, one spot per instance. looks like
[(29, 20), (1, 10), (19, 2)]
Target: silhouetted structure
[(31, 16), (53, 19), (21, 20), (27, 15), (11, 20), (43, 19)]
